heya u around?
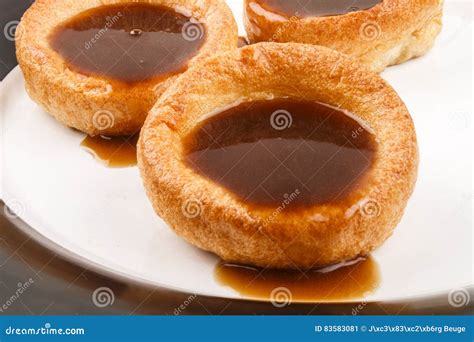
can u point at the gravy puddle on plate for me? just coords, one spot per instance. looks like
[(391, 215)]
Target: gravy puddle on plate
[(348, 280), (114, 152)]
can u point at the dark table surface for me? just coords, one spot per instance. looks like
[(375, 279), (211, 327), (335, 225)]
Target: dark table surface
[(54, 282), (10, 14)]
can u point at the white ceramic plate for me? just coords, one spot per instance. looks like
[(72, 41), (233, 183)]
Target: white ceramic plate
[(103, 214)]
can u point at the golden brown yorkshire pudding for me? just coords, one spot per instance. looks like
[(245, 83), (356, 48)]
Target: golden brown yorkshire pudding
[(280, 155), (379, 33), (99, 66)]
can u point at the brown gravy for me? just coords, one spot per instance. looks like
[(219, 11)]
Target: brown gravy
[(130, 42), (267, 151), (313, 8), (346, 281), (114, 152)]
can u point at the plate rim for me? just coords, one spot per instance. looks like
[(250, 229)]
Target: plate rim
[(439, 299), (431, 303)]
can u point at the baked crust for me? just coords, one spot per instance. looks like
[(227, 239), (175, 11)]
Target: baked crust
[(389, 33), (215, 220), (92, 104)]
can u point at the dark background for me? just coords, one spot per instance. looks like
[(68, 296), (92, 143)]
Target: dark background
[(10, 10)]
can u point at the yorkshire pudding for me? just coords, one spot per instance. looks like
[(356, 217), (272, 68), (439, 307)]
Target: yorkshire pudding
[(379, 33), (99, 66), (354, 171)]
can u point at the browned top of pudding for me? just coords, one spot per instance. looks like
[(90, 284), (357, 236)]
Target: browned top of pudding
[(302, 153), (130, 42), (315, 8)]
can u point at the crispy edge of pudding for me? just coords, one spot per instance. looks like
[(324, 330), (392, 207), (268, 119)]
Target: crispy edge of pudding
[(213, 219), (390, 33), (78, 100)]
